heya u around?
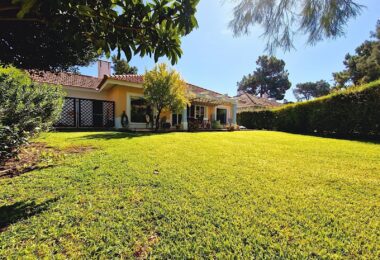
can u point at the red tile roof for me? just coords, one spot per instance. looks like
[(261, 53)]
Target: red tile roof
[(129, 78), (65, 79), (89, 82)]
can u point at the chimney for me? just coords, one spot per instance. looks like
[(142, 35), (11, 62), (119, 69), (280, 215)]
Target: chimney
[(104, 68)]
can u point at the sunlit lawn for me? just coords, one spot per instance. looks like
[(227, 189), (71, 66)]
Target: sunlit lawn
[(197, 195)]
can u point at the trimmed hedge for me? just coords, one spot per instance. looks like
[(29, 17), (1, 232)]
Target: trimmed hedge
[(262, 119), (353, 112)]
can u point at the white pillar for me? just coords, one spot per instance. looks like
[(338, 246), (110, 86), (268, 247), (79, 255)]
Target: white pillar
[(184, 119), (234, 111)]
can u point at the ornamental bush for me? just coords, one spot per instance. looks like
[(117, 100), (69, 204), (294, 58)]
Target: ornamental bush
[(215, 124), (26, 108), (354, 112)]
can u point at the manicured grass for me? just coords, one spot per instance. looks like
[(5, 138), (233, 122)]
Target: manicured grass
[(216, 195)]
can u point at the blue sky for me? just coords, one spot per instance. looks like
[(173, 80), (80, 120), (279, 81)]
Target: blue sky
[(214, 59)]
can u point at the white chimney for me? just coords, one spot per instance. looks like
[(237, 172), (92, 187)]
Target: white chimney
[(104, 68)]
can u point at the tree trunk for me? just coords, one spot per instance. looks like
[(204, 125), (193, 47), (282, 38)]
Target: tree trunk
[(158, 120)]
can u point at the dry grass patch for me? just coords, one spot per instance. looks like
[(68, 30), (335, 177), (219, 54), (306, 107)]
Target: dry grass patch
[(38, 155)]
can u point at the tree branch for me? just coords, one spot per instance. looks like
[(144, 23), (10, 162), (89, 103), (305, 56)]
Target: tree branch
[(7, 8), (11, 19)]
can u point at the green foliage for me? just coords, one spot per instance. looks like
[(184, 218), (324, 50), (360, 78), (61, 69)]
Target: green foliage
[(281, 20), (26, 108), (263, 119), (364, 66), (164, 89), (309, 90), (220, 195), (70, 33), (121, 67), (215, 124), (270, 78), (348, 113), (341, 79)]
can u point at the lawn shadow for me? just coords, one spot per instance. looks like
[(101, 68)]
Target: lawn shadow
[(20, 211), (13, 172), (118, 135), (357, 138)]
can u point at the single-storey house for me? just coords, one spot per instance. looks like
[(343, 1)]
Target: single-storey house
[(249, 102), (106, 100)]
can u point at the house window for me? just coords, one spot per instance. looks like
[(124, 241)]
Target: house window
[(176, 119), (221, 115), (139, 110), (197, 111)]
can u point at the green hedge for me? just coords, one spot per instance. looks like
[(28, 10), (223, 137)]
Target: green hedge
[(355, 111)]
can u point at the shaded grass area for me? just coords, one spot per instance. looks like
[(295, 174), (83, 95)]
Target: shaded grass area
[(186, 195), (21, 210)]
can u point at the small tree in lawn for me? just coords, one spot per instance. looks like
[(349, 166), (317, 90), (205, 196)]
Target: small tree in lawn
[(164, 89)]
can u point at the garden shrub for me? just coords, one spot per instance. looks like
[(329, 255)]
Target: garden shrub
[(353, 112), (26, 108), (215, 124)]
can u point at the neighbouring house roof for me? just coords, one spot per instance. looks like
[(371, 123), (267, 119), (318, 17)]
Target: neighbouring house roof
[(248, 102), (199, 94), (202, 95)]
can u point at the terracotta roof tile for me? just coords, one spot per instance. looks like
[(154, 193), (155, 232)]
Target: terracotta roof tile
[(82, 81), (129, 78), (65, 79)]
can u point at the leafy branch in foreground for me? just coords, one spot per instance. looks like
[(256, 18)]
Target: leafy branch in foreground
[(281, 20), (69, 33)]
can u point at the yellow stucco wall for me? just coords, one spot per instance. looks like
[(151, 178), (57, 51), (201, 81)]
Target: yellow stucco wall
[(212, 110), (166, 114), (119, 94)]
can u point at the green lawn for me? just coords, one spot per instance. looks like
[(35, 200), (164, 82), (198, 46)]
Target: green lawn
[(216, 195)]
